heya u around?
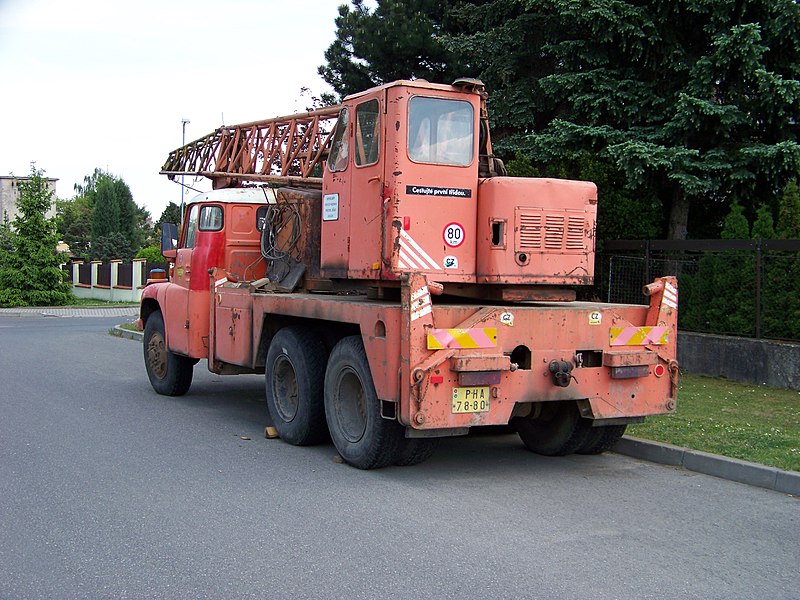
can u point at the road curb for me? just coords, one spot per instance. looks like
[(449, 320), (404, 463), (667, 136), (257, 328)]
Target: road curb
[(126, 333), (771, 478)]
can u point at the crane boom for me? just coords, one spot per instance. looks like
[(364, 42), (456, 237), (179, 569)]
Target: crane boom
[(280, 150)]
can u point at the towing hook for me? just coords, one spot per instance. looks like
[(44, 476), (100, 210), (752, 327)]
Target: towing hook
[(561, 371)]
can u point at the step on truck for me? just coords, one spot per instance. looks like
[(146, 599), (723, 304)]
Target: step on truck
[(394, 286)]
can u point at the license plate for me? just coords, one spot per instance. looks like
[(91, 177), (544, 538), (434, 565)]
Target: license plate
[(470, 400)]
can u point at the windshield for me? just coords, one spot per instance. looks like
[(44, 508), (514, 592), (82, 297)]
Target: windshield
[(440, 131)]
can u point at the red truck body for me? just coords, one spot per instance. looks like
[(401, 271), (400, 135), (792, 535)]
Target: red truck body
[(410, 293)]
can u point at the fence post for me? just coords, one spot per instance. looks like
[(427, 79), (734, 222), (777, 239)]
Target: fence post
[(758, 288), (647, 278), (95, 266), (137, 277), (76, 272), (115, 277)]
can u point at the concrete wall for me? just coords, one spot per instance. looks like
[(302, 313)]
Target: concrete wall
[(776, 364)]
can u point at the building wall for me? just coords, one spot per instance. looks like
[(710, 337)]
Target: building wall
[(9, 193)]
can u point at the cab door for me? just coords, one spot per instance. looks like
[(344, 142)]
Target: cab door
[(177, 302), (367, 189), (335, 238), (353, 192)]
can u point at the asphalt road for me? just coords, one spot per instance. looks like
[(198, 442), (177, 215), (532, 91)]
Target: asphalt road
[(110, 491)]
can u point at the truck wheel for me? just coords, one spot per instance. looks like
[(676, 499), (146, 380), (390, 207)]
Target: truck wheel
[(363, 438), (414, 451), (170, 374), (294, 379), (601, 439), (558, 431)]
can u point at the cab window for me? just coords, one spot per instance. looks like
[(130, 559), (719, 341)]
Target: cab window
[(440, 131), (337, 159), (210, 218), (368, 133), (191, 227)]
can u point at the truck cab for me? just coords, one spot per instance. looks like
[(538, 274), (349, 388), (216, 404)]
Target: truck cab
[(221, 230)]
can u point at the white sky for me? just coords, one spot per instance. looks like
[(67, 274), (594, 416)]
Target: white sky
[(105, 83)]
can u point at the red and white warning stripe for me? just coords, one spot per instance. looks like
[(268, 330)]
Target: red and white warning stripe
[(670, 296), (412, 256), (420, 303)]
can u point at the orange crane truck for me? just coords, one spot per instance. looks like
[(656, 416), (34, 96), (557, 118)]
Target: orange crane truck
[(394, 286)]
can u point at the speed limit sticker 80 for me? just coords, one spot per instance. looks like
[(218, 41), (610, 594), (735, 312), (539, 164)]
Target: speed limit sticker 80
[(453, 234)]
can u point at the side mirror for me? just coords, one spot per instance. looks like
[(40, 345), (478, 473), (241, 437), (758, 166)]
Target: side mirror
[(169, 240)]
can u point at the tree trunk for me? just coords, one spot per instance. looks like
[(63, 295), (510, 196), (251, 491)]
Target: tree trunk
[(678, 216)]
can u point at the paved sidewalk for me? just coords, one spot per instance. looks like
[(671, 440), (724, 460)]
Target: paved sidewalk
[(71, 311)]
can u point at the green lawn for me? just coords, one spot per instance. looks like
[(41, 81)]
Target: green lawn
[(748, 422)]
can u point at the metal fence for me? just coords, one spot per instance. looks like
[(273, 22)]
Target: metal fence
[(125, 275), (104, 275), (748, 288), (85, 274)]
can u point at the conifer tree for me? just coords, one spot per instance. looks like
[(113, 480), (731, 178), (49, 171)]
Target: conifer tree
[(30, 273)]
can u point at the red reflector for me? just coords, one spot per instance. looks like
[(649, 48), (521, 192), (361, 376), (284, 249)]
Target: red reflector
[(659, 371), (437, 378), (406, 223)]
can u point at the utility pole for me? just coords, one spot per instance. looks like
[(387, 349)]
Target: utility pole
[(183, 143)]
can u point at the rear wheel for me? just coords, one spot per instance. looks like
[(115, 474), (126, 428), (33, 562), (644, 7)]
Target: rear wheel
[(363, 438), (557, 431), (414, 451), (170, 374), (601, 439), (294, 379)]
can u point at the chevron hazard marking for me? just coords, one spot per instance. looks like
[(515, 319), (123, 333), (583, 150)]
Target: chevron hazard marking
[(412, 256), (670, 297), (420, 303), (639, 336), (477, 337)]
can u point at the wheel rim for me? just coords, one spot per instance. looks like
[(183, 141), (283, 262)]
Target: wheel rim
[(285, 389), (351, 406), (157, 355)]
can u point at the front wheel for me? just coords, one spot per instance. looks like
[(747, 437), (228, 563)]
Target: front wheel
[(170, 374), (362, 436)]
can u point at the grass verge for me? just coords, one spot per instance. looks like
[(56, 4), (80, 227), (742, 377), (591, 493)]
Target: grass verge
[(743, 421), (93, 302)]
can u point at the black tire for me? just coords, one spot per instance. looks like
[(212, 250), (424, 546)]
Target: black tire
[(170, 374), (558, 431), (294, 379), (363, 438), (414, 451), (601, 439)]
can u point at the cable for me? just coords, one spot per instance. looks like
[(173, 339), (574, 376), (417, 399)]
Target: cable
[(275, 244)]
